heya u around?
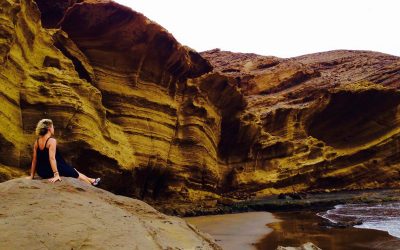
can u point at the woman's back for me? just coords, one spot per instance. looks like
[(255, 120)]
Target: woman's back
[(43, 162)]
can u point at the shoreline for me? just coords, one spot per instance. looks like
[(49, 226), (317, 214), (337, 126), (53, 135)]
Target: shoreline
[(295, 228), (315, 201), (304, 212), (267, 231)]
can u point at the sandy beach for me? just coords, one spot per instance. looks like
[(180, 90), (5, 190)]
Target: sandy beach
[(235, 231), (267, 231)]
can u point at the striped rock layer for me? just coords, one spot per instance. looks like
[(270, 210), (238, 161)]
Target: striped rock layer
[(162, 122)]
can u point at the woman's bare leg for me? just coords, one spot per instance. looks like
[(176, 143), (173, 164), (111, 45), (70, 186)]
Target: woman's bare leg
[(85, 178)]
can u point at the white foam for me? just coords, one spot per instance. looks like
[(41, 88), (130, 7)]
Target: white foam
[(372, 216), (390, 226)]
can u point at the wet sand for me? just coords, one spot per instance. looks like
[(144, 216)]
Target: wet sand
[(235, 231), (297, 228)]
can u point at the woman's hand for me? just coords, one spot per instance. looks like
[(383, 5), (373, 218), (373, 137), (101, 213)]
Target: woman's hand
[(55, 178)]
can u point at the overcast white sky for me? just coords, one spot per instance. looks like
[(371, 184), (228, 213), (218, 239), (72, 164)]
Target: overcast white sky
[(283, 28)]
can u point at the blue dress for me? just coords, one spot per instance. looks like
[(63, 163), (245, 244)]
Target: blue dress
[(43, 166)]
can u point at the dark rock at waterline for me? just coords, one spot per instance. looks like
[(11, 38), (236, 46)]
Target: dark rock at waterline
[(341, 224), (306, 246), (292, 196)]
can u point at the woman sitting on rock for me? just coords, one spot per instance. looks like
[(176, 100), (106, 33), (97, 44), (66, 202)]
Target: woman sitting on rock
[(48, 161)]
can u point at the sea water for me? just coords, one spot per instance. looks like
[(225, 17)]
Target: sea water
[(384, 217)]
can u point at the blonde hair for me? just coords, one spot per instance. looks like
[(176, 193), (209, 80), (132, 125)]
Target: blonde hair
[(43, 126)]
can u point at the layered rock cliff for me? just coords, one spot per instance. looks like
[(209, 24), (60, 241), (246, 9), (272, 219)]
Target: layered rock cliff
[(162, 122), (324, 121)]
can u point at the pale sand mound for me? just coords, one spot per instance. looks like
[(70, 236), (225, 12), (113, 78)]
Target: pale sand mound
[(35, 214), (235, 231)]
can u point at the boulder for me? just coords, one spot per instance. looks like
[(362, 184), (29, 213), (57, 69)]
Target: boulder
[(71, 215), (306, 246)]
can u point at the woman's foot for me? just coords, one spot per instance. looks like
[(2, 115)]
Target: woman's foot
[(96, 182)]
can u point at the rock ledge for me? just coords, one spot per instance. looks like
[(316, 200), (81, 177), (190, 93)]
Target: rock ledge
[(71, 215)]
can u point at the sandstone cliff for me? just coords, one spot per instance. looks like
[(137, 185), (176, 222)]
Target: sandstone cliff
[(164, 123), (72, 215), (321, 121)]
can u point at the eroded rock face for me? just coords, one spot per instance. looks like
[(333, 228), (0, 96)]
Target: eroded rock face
[(118, 91), (325, 121), (164, 123)]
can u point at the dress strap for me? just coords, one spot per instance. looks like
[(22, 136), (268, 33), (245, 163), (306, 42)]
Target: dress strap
[(46, 143)]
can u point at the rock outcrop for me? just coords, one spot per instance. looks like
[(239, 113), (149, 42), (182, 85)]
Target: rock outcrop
[(117, 90), (324, 121), (164, 123), (36, 214), (306, 246)]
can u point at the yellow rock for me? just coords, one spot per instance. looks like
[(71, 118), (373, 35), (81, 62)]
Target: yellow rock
[(164, 123)]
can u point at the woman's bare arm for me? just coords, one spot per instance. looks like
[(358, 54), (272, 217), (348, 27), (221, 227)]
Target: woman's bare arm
[(52, 158), (34, 159)]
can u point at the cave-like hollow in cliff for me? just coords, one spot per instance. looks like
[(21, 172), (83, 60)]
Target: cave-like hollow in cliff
[(351, 119)]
